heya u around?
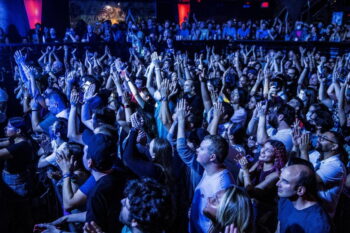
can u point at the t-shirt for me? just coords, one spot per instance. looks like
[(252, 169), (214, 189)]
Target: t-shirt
[(309, 220), (88, 185), (207, 187), (22, 154), (47, 122), (333, 174), (103, 204), (283, 135)]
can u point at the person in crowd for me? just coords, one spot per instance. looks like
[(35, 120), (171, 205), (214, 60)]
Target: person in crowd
[(208, 164), (231, 207), (123, 100), (298, 208), (17, 152), (260, 180)]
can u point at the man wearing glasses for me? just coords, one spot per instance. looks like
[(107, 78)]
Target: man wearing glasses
[(330, 170)]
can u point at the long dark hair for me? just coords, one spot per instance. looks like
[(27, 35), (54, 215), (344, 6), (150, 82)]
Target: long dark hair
[(163, 156)]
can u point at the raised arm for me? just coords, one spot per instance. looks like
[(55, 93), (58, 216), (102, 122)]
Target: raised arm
[(262, 133), (72, 131)]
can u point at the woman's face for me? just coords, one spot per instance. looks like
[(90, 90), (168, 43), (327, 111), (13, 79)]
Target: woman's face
[(267, 153), (213, 204), (313, 80), (252, 103), (235, 97)]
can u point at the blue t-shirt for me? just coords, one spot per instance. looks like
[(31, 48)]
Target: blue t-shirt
[(47, 122), (310, 220), (88, 185)]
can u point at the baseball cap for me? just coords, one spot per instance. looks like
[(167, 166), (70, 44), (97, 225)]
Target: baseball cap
[(101, 149)]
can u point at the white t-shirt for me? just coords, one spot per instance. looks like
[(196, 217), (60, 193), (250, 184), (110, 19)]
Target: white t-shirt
[(207, 187), (283, 135), (333, 174)]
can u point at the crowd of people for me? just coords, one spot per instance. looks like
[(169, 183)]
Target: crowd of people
[(148, 30), (246, 140)]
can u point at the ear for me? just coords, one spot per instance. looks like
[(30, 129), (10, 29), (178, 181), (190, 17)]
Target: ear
[(212, 158), (18, 131), (90, 163), (301, 190), (335, 147), (280, 117)]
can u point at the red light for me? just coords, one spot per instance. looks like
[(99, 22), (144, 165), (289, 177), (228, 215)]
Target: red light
[(265, 5), (183, 11), (33, 9)]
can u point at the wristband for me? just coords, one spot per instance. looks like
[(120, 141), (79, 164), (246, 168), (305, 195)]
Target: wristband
[(164, 98), (70, 175), (126, 106)]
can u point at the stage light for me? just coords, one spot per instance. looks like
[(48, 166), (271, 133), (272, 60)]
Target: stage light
[(33, 9), (265, 5), (183, 11), (247, 5)]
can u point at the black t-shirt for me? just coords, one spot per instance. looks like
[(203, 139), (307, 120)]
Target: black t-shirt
[(21, 157), (104, 202)]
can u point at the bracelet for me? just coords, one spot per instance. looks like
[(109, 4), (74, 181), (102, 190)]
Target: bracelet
[(34, 110), (126, 106), (164, 98), (67, 175)]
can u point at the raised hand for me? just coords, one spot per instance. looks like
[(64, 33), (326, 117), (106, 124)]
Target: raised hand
[(261, 109), (92, 227), (74, 98), (243, 162), (296, 133), (305, 143), (49, 228), (90, 92), (218, 110), (173, 89), (155, 59), (141, 137), (137, 121), (62, 158), (164, 88), (181, 110)]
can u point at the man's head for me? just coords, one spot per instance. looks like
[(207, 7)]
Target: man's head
[(55, 103), (328, 141), (59, 129), (189, 86), (103, 116), (284, 113), (100, 153), (146, 206), (15, 126), (213, 149), (296, 103), (297, 181)]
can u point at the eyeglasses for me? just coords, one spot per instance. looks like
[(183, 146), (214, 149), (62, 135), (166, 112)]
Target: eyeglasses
[(322, 138)]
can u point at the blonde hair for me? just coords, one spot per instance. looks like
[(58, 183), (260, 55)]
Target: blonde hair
[(235, 208)]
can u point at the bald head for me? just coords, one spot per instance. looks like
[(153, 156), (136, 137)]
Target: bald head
[(297, 181)]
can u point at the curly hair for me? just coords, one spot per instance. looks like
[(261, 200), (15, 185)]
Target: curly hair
[(280, 154), (150, 204)]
